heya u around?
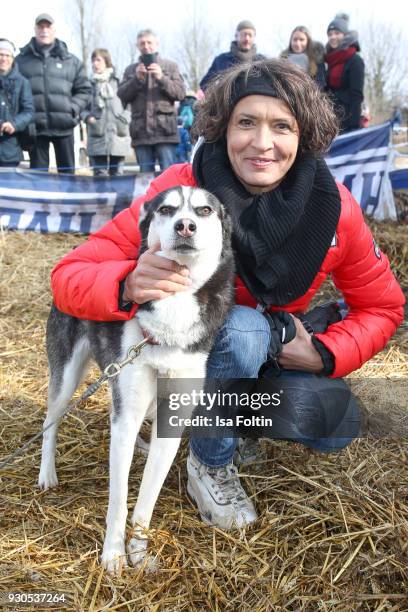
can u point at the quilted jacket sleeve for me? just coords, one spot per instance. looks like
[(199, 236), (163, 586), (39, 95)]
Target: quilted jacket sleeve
[(370, 290), (85, 283)]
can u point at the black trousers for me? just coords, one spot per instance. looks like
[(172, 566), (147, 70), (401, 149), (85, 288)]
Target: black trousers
[(64, 153), (104, 165)]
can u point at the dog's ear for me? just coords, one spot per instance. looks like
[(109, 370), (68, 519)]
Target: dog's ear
[(224, 217), (146, 213)]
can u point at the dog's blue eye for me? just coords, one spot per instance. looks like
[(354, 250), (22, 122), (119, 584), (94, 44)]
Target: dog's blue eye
[(204, 211)]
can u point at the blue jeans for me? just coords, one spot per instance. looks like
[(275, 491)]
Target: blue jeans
[(240, 349), (147, 155)]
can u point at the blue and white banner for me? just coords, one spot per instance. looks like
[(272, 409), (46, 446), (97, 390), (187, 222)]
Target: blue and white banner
[(39, 201), (43, 202), (359, 160)]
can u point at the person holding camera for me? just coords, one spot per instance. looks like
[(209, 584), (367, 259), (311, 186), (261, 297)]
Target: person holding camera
[(16, 106), (151, 87)]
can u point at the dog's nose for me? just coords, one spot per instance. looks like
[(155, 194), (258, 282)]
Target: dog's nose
[(185, 227)]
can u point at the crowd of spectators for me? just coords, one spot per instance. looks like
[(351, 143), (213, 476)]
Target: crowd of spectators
[(45, 93)]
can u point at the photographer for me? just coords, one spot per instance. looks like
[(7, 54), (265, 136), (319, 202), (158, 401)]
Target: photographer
[(16, 106), (151, 87)]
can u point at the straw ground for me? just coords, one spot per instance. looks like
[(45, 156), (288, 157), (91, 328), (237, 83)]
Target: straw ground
[(333, 529)]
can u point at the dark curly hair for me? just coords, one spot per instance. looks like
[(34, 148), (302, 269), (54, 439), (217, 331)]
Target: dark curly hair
[(312, 109)]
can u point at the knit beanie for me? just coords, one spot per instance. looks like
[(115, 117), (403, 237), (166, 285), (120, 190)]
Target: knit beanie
[(340, 23), (7, 45), (245, 25)]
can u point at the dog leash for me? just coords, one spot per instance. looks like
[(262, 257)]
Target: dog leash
[(111, 371)]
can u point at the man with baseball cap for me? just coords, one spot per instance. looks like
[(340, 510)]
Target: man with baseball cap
[(61, 91), (243, 49)]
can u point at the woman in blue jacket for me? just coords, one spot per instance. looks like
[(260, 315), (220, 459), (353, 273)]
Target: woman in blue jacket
[(16, 106)]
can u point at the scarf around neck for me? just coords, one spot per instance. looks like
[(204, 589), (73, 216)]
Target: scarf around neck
[(336, 60), (105, 90), (300, 59), (243, 56), (280, 237)]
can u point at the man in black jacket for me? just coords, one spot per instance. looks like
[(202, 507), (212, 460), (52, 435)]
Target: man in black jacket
[(243, 49), (61, 91)]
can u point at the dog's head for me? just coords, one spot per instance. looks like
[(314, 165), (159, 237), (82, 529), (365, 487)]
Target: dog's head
[(186, 221)]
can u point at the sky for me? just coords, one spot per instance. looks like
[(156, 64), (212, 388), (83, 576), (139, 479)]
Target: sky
[(274, 24)]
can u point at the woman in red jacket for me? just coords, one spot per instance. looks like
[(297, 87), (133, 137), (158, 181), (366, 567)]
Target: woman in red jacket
[(264, 129)]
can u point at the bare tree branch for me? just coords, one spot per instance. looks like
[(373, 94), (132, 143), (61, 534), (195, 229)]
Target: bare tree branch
[(122, 45), (197, 46), (86, 17), (385, 53)]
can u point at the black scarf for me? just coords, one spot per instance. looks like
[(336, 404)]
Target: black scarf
[(280, 237)]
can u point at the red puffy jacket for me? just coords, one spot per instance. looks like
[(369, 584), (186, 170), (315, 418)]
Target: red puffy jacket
[(86, 281)]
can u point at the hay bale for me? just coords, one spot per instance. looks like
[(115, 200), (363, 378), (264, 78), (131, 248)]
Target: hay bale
[(332, 532)]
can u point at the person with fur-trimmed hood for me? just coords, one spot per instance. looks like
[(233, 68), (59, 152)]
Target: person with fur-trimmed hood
[(345, 78)]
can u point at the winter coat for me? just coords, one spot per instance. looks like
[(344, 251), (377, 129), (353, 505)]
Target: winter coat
[(86, 281), (60, 87), (16, 106), (109, 135), (349, 96), (154, 116), (222, 62)]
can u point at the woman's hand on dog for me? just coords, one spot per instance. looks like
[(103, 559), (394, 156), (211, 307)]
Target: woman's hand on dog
[(154, 278)]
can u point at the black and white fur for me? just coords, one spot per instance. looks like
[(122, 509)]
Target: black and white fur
[(193, 229)]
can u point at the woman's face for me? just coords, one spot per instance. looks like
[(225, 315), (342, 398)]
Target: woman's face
[(6, 61), (98, 64), (262, 142), (298, 42), (335, 37)]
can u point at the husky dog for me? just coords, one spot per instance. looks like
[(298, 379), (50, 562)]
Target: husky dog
[(194, 230)]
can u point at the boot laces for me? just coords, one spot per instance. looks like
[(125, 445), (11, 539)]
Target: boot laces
[(226, 484)]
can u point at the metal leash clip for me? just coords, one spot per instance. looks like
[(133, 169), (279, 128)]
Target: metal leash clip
[(113, 369)]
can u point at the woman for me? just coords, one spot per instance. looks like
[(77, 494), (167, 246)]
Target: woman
[(16, 106), (107, 121), (306, 54), (265, 127), (345, 78)]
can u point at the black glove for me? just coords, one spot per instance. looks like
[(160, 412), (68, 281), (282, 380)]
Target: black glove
[(283, 330), (317, 320)]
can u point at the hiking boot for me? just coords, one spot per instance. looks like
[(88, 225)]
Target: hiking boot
[(219, 495)]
